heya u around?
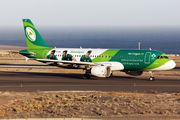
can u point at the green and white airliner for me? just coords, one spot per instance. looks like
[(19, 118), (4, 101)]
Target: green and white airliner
[(102, 62)]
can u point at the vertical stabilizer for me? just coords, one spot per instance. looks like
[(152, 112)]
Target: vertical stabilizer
[(33, 38)]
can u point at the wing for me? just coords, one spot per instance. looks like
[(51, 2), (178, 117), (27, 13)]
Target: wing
[(79, 64), (68, 62)]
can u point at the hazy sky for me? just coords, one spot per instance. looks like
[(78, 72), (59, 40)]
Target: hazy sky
[(90, 12)]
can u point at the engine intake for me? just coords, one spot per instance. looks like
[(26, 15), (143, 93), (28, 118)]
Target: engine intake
[(101, 71)]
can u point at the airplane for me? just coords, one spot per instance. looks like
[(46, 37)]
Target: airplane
[(97, 62)]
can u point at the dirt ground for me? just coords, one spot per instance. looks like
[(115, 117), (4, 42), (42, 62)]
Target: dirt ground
[(87, 104)]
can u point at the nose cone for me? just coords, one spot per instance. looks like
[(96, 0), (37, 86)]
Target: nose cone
[(167, 66), (170, 65)]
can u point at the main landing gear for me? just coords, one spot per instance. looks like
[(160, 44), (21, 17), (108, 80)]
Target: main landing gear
[(151, 77), (87, 75)]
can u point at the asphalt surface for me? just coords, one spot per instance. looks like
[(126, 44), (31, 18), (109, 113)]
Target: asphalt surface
[(27, 66), (4, 65), (14, 81)]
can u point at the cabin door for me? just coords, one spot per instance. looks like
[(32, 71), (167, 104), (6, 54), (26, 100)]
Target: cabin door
[(147, 58)]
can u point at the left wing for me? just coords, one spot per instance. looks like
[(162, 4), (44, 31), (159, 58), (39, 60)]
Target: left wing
[(113, 65), (68, 62)]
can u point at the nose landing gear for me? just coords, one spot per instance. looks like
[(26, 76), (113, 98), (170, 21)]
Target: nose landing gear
[(151, 77)]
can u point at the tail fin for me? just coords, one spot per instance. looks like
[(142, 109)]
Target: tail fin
[(33, 38)]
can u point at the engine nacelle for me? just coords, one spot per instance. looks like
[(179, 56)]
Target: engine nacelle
[(101, 71), (134, 73)]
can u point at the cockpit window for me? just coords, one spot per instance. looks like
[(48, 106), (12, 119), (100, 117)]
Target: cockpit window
[(162, 57), (166, 57)]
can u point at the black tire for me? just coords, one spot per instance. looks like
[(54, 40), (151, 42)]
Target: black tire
[(88, 76), (84, 76)]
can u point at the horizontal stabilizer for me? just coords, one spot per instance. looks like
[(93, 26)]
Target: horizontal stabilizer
[(24, 53)]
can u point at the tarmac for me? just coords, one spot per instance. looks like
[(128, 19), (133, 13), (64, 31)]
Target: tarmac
[(33, 81)]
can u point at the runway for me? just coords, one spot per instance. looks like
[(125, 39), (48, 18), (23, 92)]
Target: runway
[(43, 66), (12, 81)]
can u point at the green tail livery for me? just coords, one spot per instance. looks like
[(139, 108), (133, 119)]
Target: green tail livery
[(97, 62), (37, 48)]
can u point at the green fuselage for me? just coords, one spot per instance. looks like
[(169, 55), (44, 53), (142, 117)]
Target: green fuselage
[(131, 59)]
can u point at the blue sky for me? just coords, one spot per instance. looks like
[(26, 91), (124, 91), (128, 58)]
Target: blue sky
[(91, 12)]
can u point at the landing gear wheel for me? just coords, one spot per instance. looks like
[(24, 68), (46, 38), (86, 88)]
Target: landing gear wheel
[(151, 78), (86, 76)]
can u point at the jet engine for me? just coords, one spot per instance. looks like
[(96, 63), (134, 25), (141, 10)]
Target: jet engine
[(101, 71), (134, 73)]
